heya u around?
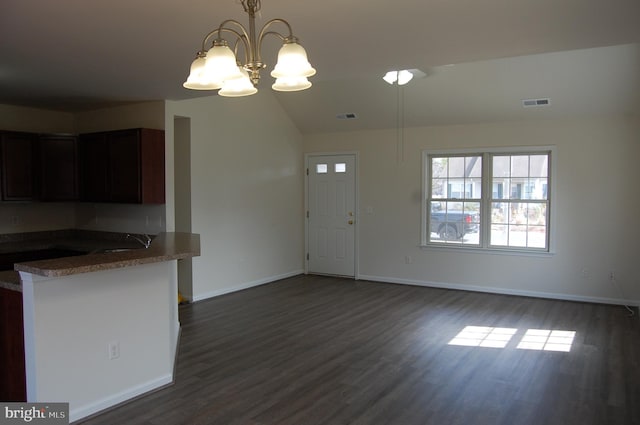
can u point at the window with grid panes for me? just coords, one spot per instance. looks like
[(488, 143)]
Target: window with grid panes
[(492, 199)]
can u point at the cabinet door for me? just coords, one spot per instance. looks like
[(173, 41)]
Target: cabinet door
[(124, 166), (18, 167), (152, 166), (93, 167), (59, 168)]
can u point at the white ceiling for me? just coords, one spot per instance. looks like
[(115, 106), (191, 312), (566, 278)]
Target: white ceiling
[(583, 54)]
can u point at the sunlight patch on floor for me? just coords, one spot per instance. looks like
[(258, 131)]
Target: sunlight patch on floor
[(547, 340), (533, 339), (482, 336)]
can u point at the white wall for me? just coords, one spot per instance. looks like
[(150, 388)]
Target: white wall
[(18, 118), (597, 208), (247, 186), (139, 115), (71, 321)]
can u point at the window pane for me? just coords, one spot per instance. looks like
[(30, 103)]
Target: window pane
[(538, 188), (439, 167), (500, 213), (520, 166), (539, 166), (519, 224), (438, 187), (454, 222), (341, 168), (321, 168), (456, 167), (501, 167), (518, 236), (473, 166), (456, 177), (498, 189)]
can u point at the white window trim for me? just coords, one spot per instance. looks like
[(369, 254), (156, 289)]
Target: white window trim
[(487, 190)]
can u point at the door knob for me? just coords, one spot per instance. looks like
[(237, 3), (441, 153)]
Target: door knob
[(350, 221)]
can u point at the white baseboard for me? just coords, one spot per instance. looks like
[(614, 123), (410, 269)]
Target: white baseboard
[(77, 413), (502, 291), (246, 285)]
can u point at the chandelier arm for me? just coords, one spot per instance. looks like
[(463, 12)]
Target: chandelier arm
[(275, 21), (234, 22), (223, 29), (243, 35), (242, 38), (264, 33), (207, 37)]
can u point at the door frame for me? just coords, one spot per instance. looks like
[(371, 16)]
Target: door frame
[(356, 230)]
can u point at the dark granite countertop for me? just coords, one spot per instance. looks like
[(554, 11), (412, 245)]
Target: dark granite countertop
[(164, 247)]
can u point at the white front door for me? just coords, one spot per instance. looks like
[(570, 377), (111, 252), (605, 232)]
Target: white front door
[(331, 214)]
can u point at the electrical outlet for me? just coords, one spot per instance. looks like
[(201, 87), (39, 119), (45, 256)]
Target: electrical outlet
[(15, 220), (585, 273), (612, 275), (114, 350)]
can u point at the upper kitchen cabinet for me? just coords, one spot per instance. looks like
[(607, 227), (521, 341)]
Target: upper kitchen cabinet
[(125, 166), (18, 161), (58, 167)]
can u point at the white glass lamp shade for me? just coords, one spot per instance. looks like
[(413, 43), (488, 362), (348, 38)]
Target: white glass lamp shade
[(220, 64), (292, 62), (238, 87), (197, 79), (291, 84), (391, 77), (404, 77)]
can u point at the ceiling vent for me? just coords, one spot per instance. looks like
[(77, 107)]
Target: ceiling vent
[(532, 103), (347, 116)]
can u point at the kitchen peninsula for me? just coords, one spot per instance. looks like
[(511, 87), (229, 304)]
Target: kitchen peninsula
[(101, 328)]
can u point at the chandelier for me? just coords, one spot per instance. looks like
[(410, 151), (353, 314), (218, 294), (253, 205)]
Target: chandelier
[(219, 68)]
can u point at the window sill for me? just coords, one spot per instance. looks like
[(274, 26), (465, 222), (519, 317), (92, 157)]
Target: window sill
[(481, 250)]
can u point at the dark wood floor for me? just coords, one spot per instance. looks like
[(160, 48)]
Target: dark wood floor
[(318, 350)]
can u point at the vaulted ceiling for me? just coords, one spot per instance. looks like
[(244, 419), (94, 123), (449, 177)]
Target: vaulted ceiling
[(482, 57)]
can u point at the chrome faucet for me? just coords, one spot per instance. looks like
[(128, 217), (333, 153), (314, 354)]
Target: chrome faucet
[(146, 242)]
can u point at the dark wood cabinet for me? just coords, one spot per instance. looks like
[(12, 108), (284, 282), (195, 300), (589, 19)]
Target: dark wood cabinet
[(58, 167), (13, 386), (125, 166), (18, 162), (93, 167)]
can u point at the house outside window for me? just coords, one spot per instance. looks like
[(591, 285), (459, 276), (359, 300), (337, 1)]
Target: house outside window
[(492, 199)]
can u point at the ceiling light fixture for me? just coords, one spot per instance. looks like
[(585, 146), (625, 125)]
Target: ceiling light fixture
[(402, 76), (219, 68)]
